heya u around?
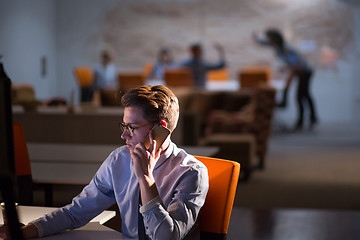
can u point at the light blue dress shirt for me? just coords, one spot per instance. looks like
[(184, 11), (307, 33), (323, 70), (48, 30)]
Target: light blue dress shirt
[(182, 182)]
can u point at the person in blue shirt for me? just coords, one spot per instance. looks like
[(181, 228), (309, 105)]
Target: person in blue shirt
[(105, 74), (164, 60), (199, 67), (297, 67), (159, 193)]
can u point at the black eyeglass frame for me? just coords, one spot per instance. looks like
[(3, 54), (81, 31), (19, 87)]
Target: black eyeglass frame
[(123, 126)]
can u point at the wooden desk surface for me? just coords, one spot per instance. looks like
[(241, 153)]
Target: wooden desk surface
[(294, 224), (93, 230), (29, 213)]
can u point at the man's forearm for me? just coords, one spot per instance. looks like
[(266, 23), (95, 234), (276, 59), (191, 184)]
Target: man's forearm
[(148, 191)]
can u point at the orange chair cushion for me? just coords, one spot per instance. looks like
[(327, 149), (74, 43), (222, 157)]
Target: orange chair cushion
[(84, 76), (178, 77), (218, 75), (255, 76), (128, 81), (148, 67), (22, 160), (223, 177)]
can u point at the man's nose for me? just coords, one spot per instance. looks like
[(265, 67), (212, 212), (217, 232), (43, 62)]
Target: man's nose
[(125, 134)]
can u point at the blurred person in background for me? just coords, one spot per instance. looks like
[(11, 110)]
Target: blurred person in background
[(164, 60), (105, 72), (198, 66), (297, 67)]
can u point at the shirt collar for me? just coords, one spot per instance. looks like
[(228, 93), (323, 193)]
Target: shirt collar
[(163, 157)]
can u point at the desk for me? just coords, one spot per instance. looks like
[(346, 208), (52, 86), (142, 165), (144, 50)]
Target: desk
[(93, 230), (299, 224), (29, 213), (76, 164)]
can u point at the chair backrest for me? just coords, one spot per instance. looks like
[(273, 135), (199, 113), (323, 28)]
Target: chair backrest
[(218, 75), (254, 76), (215, 214), (22, 166), (147, 69), (178, 77), (84, 76), (128, 81)]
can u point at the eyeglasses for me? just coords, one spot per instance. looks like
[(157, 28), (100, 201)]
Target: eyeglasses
[(131, 129)]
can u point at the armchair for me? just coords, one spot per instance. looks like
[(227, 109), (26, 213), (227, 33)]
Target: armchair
[(255, 119)]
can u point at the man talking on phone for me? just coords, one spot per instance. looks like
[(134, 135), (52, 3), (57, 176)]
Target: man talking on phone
[(159, 193)]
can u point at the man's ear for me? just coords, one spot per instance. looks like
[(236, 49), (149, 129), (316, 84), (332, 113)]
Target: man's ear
[(163, 123)]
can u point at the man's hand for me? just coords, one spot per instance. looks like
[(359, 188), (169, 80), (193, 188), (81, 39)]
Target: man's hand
[(4, 233), (28, 231), (220, 50), (144, 161)]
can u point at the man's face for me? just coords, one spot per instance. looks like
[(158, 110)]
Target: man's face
[(133, 117)]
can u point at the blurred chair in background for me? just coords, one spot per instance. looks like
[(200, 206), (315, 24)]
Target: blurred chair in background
[(178, 78), (254, 76), (218, 75), (22, 167), (147, 69), (215, 215), (85, 78), (128, 81)]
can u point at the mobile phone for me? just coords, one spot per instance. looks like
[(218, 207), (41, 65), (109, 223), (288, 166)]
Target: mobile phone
[(159, 133)]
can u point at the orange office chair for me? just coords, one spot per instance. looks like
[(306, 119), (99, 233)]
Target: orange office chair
[(85, 78), (178, 78), (128, 81), (254, 76), (218, 75), (148, 67), (215, 215), (22, 166)]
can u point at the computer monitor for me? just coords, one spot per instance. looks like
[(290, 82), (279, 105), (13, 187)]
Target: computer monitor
[(7, 160)]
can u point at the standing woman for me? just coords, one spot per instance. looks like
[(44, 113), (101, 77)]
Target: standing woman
[(298, 68)]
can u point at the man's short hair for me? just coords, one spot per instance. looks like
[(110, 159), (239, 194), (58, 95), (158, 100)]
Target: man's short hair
[(157, 102)]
